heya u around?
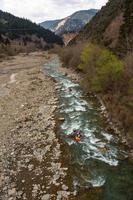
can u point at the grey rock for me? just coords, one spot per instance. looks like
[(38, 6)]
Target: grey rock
[(12, 192), (30, 167), (64, 187), (46, 197), (62, 119)]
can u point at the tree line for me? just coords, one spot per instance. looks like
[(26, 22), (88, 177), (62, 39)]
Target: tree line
[(14, 27)]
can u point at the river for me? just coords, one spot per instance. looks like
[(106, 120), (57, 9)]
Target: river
[(98, 164)]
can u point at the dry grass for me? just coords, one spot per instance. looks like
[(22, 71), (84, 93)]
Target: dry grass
[(16, 47)]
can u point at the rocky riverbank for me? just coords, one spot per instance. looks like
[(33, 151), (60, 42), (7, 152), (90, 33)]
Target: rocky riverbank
[(30, 155)]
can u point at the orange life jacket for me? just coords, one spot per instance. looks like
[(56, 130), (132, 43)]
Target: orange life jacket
[(77, 139)]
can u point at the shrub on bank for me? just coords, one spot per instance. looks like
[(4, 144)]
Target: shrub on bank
[(6, 50), (70, 55), (128, 61), (104, 70)]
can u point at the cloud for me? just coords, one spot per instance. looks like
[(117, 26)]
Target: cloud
[(41, 10), (1, 4)]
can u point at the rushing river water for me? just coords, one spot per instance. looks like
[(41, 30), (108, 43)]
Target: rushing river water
[(97, 161)]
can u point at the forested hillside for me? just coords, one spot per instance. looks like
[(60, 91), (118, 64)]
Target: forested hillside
[(112, 26), (14, 28), (126, 30)]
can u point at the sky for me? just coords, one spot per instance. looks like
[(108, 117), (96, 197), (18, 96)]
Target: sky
[(42, 10)]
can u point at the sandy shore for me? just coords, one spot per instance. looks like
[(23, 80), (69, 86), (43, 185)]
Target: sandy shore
[(30, 155)]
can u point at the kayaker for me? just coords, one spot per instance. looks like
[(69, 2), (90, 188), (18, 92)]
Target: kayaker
[(77, 138)]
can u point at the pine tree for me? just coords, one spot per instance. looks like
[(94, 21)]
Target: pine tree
[(126, 31)]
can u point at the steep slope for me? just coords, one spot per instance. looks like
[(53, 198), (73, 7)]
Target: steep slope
[(51, 24), (109, 27), (71, 24), (14, 28)]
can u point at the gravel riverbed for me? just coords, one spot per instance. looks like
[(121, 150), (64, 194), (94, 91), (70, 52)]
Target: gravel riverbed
[(30, 155)]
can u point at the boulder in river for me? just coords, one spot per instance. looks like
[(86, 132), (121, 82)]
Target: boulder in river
[(62, 119)]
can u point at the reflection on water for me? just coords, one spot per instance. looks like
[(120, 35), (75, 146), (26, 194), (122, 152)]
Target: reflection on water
[(95, 160)]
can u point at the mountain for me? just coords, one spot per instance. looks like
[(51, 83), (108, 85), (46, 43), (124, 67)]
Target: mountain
[(71, 24), (112, 26), (51, 24), (14, 28)]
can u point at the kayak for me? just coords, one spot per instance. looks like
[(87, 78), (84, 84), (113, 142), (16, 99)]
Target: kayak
[(77, 139)]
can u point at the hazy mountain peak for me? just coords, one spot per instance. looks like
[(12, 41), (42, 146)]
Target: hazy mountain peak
[(70, 24)]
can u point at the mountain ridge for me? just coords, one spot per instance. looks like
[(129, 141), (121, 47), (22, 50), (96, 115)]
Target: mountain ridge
[(70, 24), (109, 27), (14, 27)]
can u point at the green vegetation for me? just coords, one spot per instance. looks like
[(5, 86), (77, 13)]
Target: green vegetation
[(105, 70)]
